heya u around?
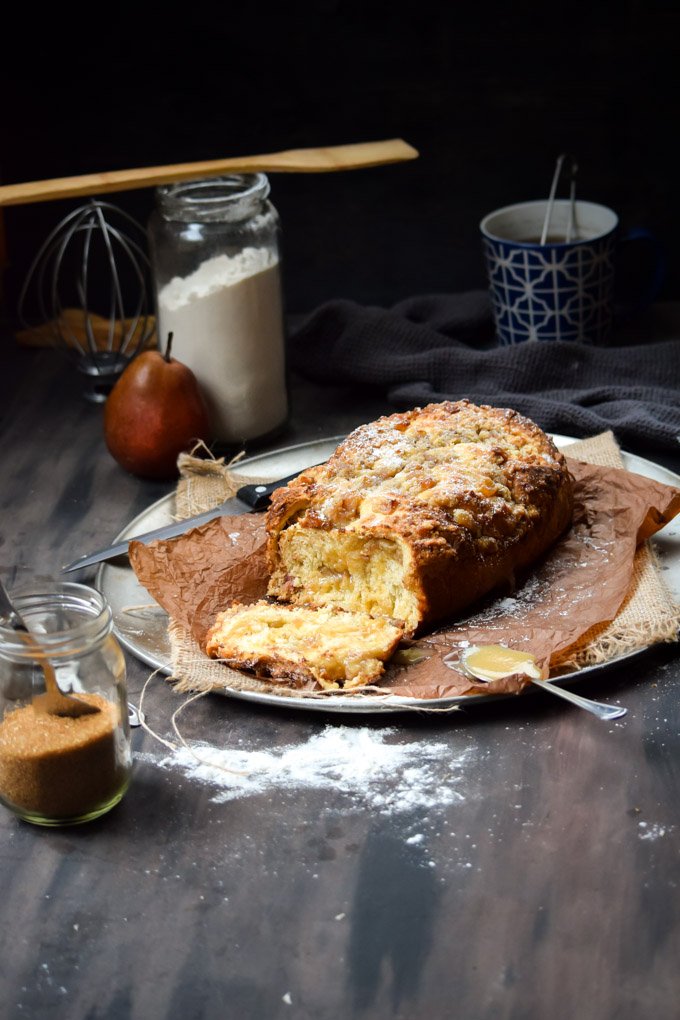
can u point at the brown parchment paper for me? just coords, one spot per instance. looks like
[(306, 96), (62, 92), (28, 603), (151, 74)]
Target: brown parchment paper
[(559, 611)]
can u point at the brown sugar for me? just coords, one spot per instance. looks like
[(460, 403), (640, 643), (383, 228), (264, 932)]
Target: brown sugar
[(60, 768)]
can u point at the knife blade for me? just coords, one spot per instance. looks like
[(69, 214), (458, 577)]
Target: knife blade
[(249, 498)]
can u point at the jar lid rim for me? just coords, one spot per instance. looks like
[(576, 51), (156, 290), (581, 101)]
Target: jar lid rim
[(194, 191), (95, 625)]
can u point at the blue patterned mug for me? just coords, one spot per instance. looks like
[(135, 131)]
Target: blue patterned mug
[(560, 290)]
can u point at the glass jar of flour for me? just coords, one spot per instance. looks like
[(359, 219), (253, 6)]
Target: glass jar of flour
[(215, 254)]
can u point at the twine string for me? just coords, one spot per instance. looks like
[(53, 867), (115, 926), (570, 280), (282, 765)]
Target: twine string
[(182, 741)]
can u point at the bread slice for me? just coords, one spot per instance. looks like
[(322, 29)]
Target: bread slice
[(334, 648), (418, 515)]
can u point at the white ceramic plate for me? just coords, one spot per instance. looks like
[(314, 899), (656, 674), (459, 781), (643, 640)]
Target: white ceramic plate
[(143, 631)]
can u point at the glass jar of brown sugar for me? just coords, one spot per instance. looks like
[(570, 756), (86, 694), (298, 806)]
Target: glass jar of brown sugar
[(59, 769)]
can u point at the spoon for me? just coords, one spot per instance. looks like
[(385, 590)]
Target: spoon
[(312, 160), (571, 223), (524, 663), (597, 708), (52, 702)]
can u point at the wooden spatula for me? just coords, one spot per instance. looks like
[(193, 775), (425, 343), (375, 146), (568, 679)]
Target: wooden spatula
[(324, 160)]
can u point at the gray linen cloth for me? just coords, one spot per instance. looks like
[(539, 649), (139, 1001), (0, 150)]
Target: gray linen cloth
[(441, 347)]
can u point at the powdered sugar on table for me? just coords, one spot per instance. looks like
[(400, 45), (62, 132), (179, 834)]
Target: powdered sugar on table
[(363, 763)]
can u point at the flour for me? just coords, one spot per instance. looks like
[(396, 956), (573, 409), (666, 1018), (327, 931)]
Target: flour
[(227, 322), (362, 763), (652, 832)]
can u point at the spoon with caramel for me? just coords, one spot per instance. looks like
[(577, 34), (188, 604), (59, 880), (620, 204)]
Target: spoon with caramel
[(53, 701), (493, 662)]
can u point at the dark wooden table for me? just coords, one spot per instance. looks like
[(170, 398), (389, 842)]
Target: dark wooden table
[(542, 882)]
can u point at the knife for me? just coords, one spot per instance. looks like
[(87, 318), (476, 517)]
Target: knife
[(249, 498)]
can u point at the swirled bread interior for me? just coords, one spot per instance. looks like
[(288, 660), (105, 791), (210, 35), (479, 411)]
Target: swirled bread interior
[(417, 515), (334, 648)]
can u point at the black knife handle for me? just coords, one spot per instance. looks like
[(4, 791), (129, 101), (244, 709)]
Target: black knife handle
[(258, 494)]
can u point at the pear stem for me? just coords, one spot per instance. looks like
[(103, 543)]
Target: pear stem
[(168, 347)]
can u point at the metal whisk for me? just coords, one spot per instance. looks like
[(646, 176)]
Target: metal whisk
[(107, 245)]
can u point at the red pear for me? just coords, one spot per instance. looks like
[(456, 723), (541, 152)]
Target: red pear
[(154, 412)]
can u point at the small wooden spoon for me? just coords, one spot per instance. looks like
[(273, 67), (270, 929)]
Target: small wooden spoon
[(334, 157), (52, 702)]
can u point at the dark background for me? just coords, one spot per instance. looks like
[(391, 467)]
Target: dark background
[(489, 93)]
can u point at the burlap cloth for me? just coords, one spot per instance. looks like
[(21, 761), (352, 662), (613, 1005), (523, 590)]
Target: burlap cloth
[(647, 616)]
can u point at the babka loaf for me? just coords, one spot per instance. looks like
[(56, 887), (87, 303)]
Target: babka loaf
[(329, 646), (418, 515)]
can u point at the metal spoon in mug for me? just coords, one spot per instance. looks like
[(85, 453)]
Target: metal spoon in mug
[(571, 224), (493, 662), (551, 198), (53, 701)]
